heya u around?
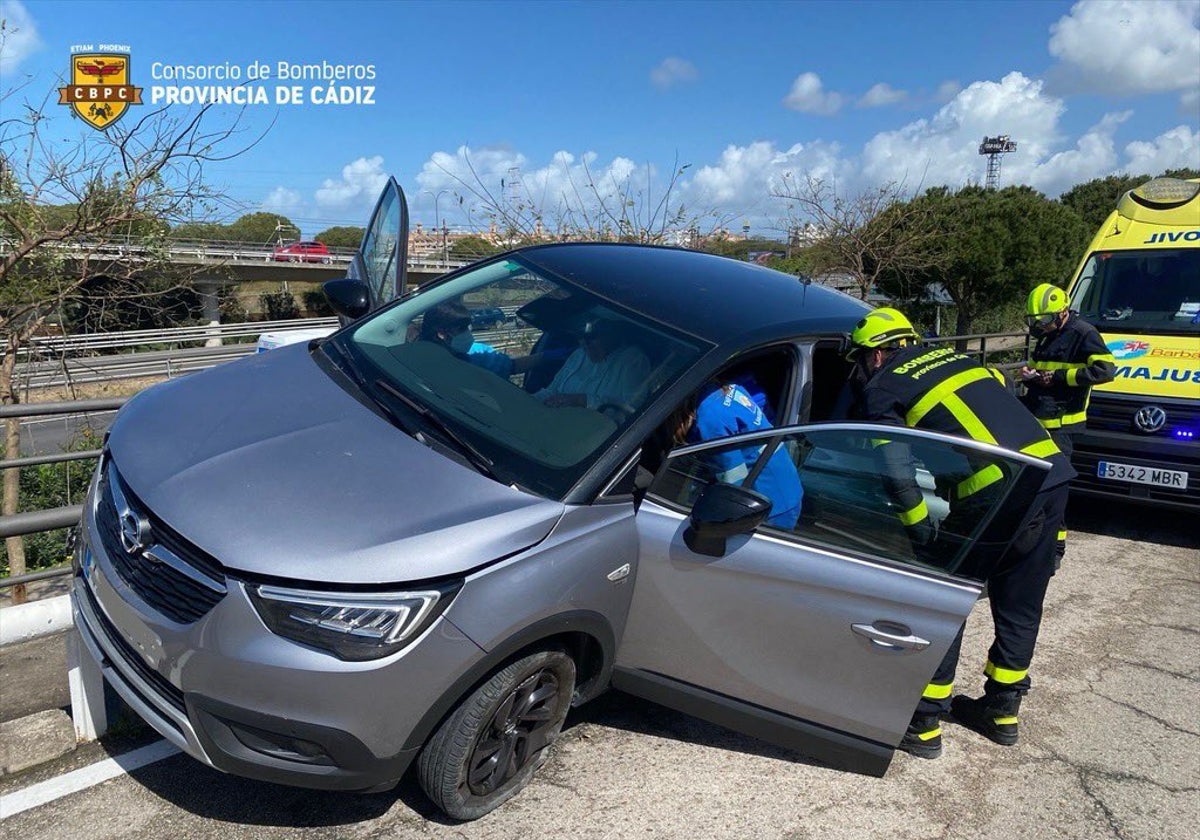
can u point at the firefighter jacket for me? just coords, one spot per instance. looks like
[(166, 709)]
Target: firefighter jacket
[(944, 391), (1077, 359)]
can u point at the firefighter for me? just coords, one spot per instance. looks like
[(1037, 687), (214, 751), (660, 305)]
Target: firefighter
[(905, 383), (1068, 358)]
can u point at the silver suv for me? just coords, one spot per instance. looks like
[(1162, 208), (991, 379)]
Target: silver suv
[(320, 564)]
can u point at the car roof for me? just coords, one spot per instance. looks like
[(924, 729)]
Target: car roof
[(714, 298)]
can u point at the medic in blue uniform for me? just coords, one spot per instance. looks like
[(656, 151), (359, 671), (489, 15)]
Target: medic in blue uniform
[(730, 410)]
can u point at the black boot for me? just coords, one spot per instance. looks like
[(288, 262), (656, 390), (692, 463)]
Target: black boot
[(923, 737), (992, 716)]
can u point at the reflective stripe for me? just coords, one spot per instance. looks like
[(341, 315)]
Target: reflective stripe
[(933, 691), (1073, 377), (1062, 536), (1036, 365), (971, 423), (935, 395), (1005, 721), (931, 734), (998, 375), (1008, 676), (1041, 449), (1065, 420), (986, 477), (915, 514), (1101, 357)]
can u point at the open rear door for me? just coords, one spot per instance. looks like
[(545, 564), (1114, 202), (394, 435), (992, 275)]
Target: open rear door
[(382, 259)]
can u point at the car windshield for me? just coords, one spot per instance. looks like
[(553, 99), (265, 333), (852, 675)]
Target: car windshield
[(539, 393), (1153, 291)]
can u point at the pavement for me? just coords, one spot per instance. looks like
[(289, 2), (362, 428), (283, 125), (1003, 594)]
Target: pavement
[(1110, 747)]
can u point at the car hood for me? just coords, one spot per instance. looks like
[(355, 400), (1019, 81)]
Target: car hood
[(272, 468)]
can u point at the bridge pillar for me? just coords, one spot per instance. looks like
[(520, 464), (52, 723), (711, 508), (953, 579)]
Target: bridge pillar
[(211, 308)]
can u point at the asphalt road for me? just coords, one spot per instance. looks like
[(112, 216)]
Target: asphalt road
[(1110, 747)]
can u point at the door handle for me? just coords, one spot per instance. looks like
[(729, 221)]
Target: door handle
[(901, 639)]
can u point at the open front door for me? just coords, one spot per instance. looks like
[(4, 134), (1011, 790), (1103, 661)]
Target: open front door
[(382, 259), (817, 632)]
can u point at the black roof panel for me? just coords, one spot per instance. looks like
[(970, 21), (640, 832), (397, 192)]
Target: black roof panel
[(711, 297)]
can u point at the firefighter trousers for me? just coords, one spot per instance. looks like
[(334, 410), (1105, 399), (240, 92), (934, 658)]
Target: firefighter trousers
[(1066, 443), (1016, 590)]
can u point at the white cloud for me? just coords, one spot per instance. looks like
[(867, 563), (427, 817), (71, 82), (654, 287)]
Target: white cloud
[(947, 90), (808, 96), (939, 149), (880, 95), (361, 182), (1189, 104), (1127, 47), (944, 148), (1174, 149), (673, 71), (490, 178), (19, 37), (282, 200)]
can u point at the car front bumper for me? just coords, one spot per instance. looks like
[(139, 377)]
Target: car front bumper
[(231, 694)]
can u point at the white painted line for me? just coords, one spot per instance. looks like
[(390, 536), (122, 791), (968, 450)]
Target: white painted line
[(83, 778)]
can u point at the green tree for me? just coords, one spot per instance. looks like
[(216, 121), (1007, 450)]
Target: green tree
[(261, 228), (467, 247), (1094, 200), (990, 247), (342, 236), (64, 208)]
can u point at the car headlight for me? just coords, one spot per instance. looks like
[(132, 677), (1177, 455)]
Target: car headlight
[(351, 626)]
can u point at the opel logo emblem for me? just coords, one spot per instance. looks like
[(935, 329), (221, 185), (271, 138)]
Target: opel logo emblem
[(1150, 419), (135, 532)]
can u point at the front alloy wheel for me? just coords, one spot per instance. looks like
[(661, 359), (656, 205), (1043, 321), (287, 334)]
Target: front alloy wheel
[(489, 748)]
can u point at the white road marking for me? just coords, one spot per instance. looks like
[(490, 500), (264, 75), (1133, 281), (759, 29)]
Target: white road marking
[(83, 778)]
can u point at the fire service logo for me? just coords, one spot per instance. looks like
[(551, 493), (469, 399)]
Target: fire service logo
[(99, 92)]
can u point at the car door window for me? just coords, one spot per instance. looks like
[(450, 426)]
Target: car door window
[(849, 506), (384, 248)]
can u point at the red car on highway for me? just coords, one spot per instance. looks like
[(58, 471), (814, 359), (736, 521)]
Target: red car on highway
[(309, 252)]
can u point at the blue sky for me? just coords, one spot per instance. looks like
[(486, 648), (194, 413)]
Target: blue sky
[(743, 92)]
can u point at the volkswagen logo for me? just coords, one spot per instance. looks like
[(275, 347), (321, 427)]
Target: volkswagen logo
[(135, 532), (1150, 419)]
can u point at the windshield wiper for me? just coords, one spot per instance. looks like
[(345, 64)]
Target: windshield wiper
[(480, 461), (347, 367)]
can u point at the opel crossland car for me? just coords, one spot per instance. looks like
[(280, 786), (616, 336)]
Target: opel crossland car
[(325, 564)]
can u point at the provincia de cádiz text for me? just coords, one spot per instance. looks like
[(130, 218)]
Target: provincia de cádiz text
[(262, 83)]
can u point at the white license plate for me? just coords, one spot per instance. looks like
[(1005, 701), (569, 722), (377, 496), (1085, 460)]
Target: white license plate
[(1142, 475)]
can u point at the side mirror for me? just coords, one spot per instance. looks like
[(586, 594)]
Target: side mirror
[(347, 297), (723, 511)]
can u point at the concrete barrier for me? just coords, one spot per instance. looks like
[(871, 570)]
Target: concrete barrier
[(23, 622)]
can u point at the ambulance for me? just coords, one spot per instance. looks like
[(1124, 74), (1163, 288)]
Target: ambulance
[(1139, 284)]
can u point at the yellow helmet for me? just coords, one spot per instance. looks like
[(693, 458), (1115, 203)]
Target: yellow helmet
[(880, 328), (1046, 300)]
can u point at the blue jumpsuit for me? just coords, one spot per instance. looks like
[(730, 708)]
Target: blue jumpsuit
[(720, 414)]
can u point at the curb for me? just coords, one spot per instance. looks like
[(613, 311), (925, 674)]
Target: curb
[(23, 622), (35, 739)]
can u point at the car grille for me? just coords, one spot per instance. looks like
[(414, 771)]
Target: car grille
[(171, 575), (1116, 415), (163, 687)]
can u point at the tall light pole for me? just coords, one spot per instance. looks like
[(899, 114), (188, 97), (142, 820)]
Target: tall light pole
[(437, 220)]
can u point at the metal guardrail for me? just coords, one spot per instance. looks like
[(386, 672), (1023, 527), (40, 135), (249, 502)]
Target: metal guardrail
[(125, 339), (134, 248), (51, 519)]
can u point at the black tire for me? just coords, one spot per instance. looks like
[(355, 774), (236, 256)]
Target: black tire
[(491, 745)]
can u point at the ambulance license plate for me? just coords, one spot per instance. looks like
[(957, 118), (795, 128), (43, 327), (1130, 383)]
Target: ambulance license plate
[(1174, 479)]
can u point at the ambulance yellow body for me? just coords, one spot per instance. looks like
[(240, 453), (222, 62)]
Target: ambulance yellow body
[(1139, 284)]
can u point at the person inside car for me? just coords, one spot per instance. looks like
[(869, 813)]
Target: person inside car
[(449, 324), (604, 371), (722, 410)]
